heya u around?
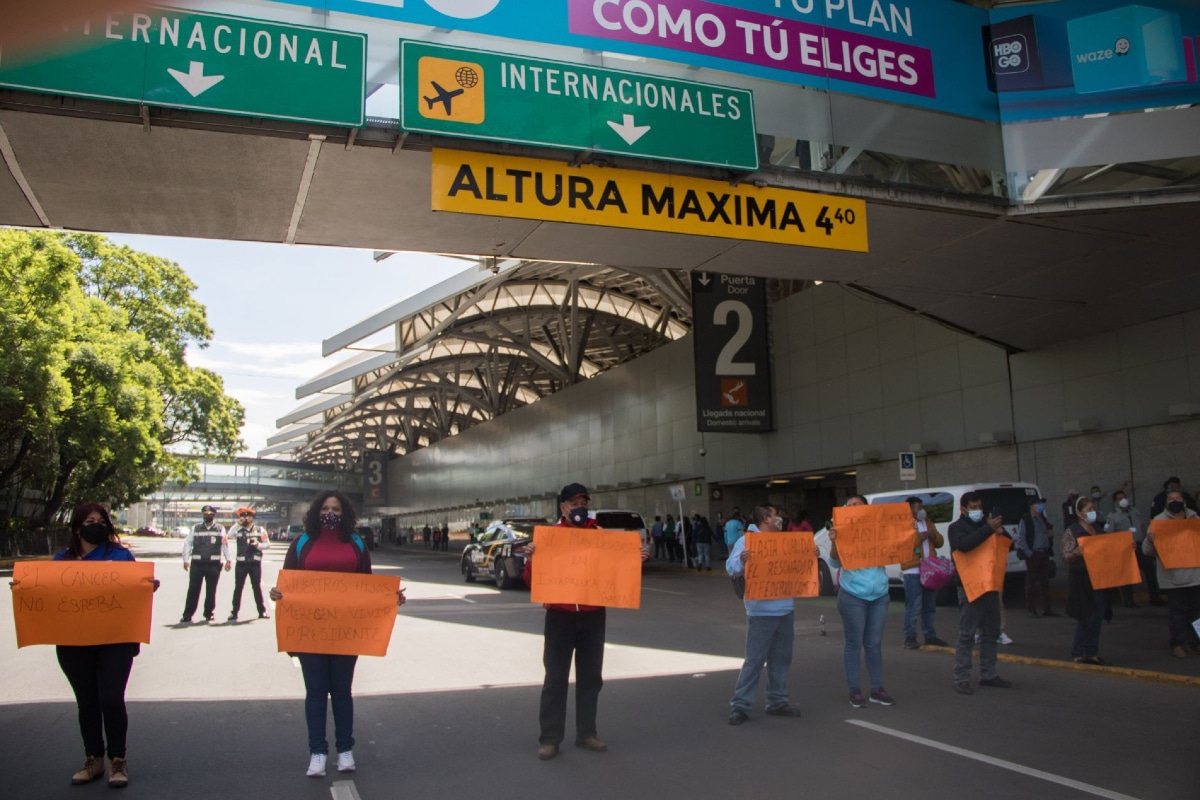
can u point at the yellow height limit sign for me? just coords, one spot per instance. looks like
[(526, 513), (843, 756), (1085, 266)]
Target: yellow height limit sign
[(528, 188)]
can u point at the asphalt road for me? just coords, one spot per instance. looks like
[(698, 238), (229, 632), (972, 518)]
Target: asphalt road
[(451, 712)]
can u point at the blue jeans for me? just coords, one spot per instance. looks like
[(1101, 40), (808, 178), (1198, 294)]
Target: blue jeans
[(702, 549), (769, 641), (918, 600), (862, 622), (1087, 631), (327, 676)]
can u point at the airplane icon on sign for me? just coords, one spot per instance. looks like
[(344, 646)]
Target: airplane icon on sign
[(442, 96)]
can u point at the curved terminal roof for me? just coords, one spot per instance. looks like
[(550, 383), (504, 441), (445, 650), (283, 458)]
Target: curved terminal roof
[(491, 339)]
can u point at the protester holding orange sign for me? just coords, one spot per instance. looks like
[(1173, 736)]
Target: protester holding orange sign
[(862, 602), (1087, 604), (573, 631), (1110, 560), (1180, 583), (874, 536), (98, 673), (980, 607), (329, 544)]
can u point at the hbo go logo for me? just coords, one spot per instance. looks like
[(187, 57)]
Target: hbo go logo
[(1010, 54)]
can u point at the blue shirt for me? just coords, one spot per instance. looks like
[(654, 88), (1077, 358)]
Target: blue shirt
[(868, 583), (756, 608), (733, 531), (103, 552)]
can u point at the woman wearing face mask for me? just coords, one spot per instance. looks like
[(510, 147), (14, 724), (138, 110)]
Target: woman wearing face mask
[(1124, 517), (98, 673), (1087, 606), (862, 602), (329, 544), (1182, 586), (920, 602)]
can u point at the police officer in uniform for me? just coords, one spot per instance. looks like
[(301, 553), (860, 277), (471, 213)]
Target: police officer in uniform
[(204, 551), (250, 541)]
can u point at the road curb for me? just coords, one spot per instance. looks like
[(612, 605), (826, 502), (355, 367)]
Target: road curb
[(1115, 672)]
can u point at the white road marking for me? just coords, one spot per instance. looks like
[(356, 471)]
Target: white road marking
[(344, 790), (664, 591), (996, 762)]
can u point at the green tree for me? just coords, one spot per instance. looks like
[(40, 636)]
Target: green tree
[(97, 391)]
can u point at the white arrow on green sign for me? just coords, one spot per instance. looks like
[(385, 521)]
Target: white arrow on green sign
[(476, 94), (208, 62)]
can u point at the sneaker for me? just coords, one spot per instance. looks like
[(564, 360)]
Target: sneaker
[(737, 716), (1034, 615), (118, 773), (1004, 638), (856, 699), (316, 765), (963, 687), (996, 683), (346, 762), (232, 617), (933, 641), (185, 620), (547, 752), (93, 768), (882, 697), (263, 615), (593, 743), (784, 710), (911, 644)]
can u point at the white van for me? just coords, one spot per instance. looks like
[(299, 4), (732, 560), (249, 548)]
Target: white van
[(942, 506), (621, 519)]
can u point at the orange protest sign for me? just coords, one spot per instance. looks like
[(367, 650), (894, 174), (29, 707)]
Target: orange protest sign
[(873, 536), (1177, 542), (337, 613), (587, 566), (1110, 559), (982, 569), (82, 602), (781, 565)]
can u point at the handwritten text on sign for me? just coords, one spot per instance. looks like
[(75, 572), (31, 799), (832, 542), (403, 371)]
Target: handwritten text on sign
[(873, 536), (781, 565), (1177, 542), (587, 566), (982, 570), (82, 602), (337, 613), (1110, 559)]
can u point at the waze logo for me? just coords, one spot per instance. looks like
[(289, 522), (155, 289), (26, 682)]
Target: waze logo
[(1122, 46)]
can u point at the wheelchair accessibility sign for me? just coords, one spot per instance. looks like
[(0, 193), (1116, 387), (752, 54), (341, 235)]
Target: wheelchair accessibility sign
[(908, 466)]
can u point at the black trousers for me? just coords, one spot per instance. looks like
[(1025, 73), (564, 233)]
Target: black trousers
[(1183, 606), (1147, 566), (98, 675), (580, 633), (208, 572), (253, 570)]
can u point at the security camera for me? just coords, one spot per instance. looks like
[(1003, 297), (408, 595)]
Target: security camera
[(703, 452)]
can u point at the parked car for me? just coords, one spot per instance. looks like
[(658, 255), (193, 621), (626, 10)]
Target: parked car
[(148, 532), (620, 519), (498, 554), (942, 507), (367, 534)]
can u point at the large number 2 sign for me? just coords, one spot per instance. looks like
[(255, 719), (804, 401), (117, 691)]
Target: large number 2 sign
[(741, 334)]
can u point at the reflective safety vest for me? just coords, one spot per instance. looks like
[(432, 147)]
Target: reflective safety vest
[(206, 543), (245, 550)]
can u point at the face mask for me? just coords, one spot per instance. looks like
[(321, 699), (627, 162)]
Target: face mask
[(94, 533), (1123, 503), (1041, 508), (578, 516), (1175, 506), (976, 514), (208, 519), (331, 520), (1096, 495), (921, 515), (1090, 516)]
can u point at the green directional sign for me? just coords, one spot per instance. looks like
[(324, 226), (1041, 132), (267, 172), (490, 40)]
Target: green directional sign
[(208, 62), (454, 91)]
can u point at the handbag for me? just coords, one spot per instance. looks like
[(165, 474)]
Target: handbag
[(936, 572), (739, 585)]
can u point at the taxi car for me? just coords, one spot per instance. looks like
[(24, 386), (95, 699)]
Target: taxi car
[(498, 554)]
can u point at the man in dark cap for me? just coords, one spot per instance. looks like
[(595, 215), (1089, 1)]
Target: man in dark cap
[(571, 630), (204, 551), (250, 541)]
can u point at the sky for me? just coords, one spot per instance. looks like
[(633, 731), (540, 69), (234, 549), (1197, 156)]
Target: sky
[(271, 305)]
